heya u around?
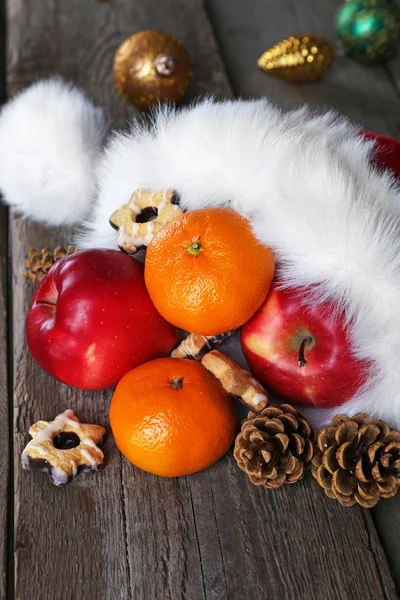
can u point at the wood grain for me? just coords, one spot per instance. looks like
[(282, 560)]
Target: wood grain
[(124, 533), (83, 528), (4, 405), (4, 398), (70, 542), (386, 516), (392, 67), (214, 535)]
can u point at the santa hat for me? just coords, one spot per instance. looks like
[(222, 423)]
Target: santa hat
[(307, 182)]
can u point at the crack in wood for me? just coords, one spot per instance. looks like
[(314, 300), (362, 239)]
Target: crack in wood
[(185, 574), (197, 539), (218, 533), (124, 522), (165, 552), (376, 549)]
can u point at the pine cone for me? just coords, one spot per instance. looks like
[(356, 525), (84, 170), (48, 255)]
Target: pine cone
[(275, 446), (358, 460), (37, 264)]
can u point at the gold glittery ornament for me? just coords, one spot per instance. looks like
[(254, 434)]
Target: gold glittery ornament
[(298, 58), (151, 67)]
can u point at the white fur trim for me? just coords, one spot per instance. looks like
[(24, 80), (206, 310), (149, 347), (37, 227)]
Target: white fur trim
[(308, 188), (50, 138)]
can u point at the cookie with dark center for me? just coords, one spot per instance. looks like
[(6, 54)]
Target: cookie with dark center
[(143, 216), (64, 447)]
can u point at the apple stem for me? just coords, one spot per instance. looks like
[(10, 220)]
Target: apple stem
[(176, 383), (302, 361)]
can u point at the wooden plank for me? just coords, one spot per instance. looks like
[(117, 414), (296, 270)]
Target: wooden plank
[(4, 406), (82, 528), (392, 67), (69, 543), (162, 520), (365, 94), (289, 544), (386, 517), (5, 514), (247, 543)]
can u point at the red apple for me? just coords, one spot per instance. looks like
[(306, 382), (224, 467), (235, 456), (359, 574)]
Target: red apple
[(302, 353), (91, 320)]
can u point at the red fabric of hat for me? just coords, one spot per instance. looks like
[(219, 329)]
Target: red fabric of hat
[(387, 154)]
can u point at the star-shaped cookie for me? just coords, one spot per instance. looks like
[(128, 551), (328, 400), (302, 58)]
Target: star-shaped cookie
[(135, 230), (63, 447)]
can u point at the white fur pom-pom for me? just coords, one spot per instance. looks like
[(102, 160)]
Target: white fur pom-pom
[(50, 140)]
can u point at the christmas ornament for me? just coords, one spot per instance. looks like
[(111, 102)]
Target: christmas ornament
[(298, 58), (151, 67), (38, 263), (275, 446), (358, 460), (369, 30)]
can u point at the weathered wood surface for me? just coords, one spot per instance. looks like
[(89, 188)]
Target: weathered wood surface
[(363, 93), (124, 533), (386, 516), (4, 400), (72, 543), (366, 94), (77, 39), (4, 406)]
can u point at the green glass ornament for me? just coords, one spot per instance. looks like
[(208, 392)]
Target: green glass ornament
[(369, 30)]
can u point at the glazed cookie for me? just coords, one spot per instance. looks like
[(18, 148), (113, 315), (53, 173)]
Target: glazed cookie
[(235, 380), (135, 230), (63, 447), (196, 346)]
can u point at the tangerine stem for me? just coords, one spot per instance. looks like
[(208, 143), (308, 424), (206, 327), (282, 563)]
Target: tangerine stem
[(195, 248), (176, 383)]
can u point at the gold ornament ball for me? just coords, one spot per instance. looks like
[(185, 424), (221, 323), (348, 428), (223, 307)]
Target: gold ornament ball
[(151, 67), (298, 59)]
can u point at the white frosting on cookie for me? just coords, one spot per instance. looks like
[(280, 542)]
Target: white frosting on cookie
[(74, 468), (58, 476), (86, 454)]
